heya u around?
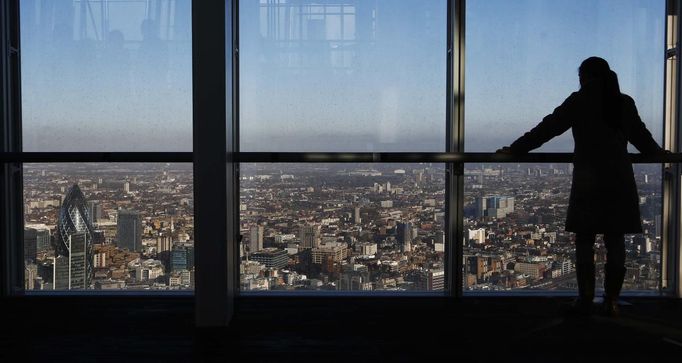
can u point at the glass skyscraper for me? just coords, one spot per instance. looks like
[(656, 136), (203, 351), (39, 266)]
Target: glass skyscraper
[(73, 268)]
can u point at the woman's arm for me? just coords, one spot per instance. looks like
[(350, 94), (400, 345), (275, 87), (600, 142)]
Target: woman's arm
[(552, 125), (636, 131)]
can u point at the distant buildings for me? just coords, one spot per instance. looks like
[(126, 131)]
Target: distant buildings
[(494, 206), (94, 211), (271, 258), (404, 236), (427, 280), (35, 240), (182, 257), (477, 235), (129, 230), (256, 238), (310, 236), (336, 252)]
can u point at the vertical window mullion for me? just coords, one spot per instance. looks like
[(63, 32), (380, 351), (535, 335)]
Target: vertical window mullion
[(455, 143), (210, 38), (670, 249), (11, 207)]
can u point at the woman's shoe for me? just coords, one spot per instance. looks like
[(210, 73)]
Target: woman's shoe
[(610, 307), (580, 307)]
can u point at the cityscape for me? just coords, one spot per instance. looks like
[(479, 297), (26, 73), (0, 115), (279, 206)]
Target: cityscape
[(319, 227), (108, 226), (380, 227)]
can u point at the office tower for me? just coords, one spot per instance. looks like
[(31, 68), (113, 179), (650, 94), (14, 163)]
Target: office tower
[(94, 211), (30, 244), (163, 243), (126, 187), (404, 236), (310, 236), (190, 256), (35, 240), (178, 258), (73, 243), (494, 206), (256, 238), (30, 275), (129, 230), (356, 215), (439, 242), (71, 272)]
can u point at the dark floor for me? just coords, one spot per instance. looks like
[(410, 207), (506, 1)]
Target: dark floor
[(334, 330)]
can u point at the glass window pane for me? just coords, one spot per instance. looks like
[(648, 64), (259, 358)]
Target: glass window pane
[(108, 226), (106, 75), (342, 227), (351, 75), (522, 60), (514, 230)]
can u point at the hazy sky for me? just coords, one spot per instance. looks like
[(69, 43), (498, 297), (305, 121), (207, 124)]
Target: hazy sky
[(370, 80)]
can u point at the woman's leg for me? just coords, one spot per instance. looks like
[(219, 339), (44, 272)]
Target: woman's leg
[(614, 270), (584, 266)]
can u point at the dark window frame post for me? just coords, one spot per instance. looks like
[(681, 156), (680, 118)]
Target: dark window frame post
[(11, 203), (210, 33), (454, 131)]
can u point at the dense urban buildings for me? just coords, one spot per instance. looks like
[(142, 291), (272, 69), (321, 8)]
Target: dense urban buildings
[(108, 226), (380, 227), (515, 238), (331, 227)]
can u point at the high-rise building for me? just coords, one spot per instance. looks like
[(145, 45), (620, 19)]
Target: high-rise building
[(178, 258), (404, 236), (163, 243), (190, 256), (310, 236), (256, 238), (30, 244), (94, 210), (356, 215), (35, 240), (30, 275), (129, 230), (73, 268), (494, 206), (71, 272)]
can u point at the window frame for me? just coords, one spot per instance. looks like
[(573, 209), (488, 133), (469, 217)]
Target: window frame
[(216, 157)]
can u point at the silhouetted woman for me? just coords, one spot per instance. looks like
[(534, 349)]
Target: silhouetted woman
[(604, 196)]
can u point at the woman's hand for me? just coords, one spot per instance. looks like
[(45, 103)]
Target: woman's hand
[(504, 150)]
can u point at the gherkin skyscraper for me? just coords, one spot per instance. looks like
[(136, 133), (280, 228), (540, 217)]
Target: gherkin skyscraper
[(73, 243)]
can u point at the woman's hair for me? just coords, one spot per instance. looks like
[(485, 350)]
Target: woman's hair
[(597, 69)]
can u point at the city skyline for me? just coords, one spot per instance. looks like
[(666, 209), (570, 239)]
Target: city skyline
[(327, 226)]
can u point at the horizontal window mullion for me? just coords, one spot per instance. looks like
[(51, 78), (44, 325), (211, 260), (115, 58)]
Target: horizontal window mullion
[(444, 157), (315, 157), (100, 157)]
